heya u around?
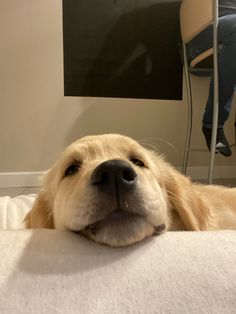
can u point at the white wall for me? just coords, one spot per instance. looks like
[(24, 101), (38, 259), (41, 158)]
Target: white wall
[(37, 122)]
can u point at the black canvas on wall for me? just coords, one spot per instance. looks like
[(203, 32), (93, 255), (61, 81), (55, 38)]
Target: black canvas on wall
[(122, 48)]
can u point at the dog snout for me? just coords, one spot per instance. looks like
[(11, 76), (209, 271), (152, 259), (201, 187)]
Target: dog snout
[(114, 174)]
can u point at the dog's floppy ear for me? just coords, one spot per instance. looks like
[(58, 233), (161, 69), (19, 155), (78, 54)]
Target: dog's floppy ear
[(40, 215), (185, 197)]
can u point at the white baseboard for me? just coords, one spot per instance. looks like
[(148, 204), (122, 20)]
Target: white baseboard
[(32, 179), (20, 179)]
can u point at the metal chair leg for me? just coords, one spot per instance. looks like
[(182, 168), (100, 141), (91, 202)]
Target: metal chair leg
[(216, 91), (190, 111)]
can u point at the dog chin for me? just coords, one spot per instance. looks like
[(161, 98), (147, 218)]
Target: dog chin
[(119, 229)]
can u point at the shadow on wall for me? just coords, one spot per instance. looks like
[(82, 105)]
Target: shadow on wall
[(150, 122), (154, 122), (146, 122)]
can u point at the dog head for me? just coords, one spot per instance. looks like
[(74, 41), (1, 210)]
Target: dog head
[(113, 191)]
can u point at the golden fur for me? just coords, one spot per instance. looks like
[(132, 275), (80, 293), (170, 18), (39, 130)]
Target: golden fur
[(160, 198)]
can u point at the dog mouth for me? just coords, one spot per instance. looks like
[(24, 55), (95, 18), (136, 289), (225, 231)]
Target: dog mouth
[(119, 219)]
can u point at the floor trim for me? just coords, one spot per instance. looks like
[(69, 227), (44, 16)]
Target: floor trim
[(20, 179), (32, 179)]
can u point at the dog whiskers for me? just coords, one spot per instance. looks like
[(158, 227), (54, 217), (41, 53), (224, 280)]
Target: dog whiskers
[(155, 149), (145, 143), (172, 195)]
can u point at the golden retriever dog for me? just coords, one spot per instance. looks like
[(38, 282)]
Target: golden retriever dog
[(116, 192)]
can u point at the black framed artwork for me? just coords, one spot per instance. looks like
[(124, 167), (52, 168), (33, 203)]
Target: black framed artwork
[(122, 48)]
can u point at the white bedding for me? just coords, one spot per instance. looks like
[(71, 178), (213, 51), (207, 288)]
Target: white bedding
[(13, 210), (49, 271)]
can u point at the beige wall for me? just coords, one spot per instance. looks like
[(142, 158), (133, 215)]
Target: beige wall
[(37, 122)]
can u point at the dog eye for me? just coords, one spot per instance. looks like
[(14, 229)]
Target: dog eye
[(137, 162), (72, 169)]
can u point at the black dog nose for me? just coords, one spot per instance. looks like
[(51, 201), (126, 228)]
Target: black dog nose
[(114, 174)]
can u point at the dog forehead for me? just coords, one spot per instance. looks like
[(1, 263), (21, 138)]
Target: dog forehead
[(107, 146)]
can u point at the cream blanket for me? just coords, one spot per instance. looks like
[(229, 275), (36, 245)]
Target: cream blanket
[(13, 210), (49, 271)]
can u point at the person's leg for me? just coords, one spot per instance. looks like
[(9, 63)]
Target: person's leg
[(227, 72), (227, 82)]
